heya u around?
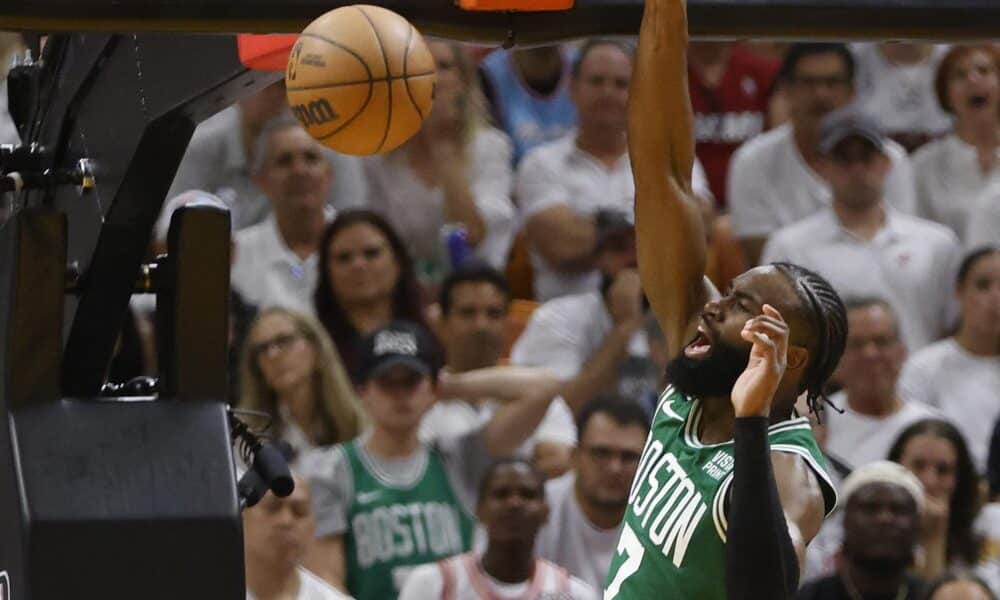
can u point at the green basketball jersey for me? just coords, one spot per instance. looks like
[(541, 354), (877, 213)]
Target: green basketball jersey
[(392, 529), (672, 543)]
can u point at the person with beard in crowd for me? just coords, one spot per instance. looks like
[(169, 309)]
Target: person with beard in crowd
[(731, 486), (881, 528), (512, 508)]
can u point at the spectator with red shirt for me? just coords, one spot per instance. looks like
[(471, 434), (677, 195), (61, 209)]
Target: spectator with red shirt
[(730, 93)]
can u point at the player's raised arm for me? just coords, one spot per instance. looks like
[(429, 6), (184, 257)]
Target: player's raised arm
[(669, 230)]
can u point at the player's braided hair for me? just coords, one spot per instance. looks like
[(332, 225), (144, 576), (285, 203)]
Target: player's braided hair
[(829, 318)]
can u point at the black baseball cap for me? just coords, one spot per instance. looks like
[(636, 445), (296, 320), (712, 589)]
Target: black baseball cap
[(398, 343), (849, 122)]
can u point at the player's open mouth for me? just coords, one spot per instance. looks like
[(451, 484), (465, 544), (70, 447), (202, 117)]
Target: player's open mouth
[(700, 347), (978, 101)]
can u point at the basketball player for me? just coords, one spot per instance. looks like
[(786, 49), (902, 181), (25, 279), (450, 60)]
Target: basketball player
[(730, 487)]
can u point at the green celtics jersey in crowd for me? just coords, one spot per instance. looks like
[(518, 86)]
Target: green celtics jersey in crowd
[(672, 543), (392, 529)]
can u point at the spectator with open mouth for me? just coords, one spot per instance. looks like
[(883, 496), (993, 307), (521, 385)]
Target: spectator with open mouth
[(951, 173)]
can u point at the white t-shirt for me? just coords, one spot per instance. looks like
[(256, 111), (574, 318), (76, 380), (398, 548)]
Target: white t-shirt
[(950, 181), (451, 418), (267, 273), (901, 97), (312, 588), (963, 387), (570, 540), (911, 263), (858, 439), (560, 173), (417, 211), (987, 527), (770, 185), (462, 578), (984, 220), (565, 332)]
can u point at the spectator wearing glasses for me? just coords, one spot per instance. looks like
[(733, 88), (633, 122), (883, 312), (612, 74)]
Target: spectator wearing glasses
[(290, 371), (586, 506), (871, 411), (776, 178)]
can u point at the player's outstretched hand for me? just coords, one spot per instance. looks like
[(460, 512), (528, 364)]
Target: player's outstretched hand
[(754, 390)]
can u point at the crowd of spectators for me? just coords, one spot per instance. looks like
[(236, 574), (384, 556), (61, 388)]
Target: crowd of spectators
[(452, 342)]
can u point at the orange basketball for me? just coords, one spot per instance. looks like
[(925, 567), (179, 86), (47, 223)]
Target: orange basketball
[(360, 79)]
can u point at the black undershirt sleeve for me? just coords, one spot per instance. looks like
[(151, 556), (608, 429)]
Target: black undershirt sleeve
[(760, 557)]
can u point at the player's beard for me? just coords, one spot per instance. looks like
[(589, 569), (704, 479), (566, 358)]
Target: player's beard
[(711, 377)]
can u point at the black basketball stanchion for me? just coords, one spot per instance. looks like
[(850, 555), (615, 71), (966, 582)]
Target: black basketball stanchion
[(121, 497), (115, 490)]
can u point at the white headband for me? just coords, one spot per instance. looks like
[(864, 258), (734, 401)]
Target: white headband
[(884, 471)]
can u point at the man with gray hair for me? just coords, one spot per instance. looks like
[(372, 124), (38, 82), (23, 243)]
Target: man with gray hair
[(275, 261), (223, 149), (881, 515)]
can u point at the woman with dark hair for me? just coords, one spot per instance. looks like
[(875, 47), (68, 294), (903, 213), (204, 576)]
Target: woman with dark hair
[(366, 279), (954, 171), (935, 451), (960, 375)]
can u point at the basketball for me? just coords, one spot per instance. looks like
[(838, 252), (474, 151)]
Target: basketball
[(360, 79)]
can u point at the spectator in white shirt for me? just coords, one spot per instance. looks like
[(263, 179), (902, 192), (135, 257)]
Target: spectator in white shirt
[(562, 184), (952, 173), (983, 225), (960, 376), (276, 534), (275, 260), (595, 339), (775, 179), (895, 82), (873, 412), (587, 505), (512, 507), (223, 150), (455, 170), (474, 302), (865, 248)]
